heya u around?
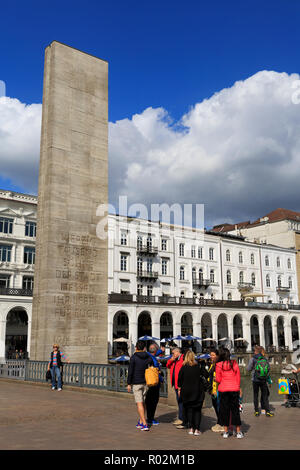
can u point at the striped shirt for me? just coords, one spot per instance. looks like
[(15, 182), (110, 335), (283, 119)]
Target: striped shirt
[(54, 363)]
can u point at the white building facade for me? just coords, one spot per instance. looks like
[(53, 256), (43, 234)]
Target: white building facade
[(163, 280)]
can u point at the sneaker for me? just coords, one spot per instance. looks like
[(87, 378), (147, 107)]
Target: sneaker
[(180, 426), (154, 422), (191, 431), (240, 435), (256, 413), (144, 427), (53, 388), (177, 422), (139, 425), (217, 428), (226, 435), (269, 413), (59, 389), (197, 433)]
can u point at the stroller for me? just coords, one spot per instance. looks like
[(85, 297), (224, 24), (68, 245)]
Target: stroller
[(290, 386)]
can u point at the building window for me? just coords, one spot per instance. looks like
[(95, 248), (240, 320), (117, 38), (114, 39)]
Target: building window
[(212, 296), (182, 294), (279, 281), (139, 242), (200, 274), (149, 291), (241, 277), (5, 253), (4, 280), (181, 249), (278, 262), (193, 252), (27, 282), (212, 276), (252, 259), (289, 264), (30, 229), (194, 274), (164, 267), (123, 238), (268, 281), (228, 256), (139, 264), (211, 254), (149, 242), (149, 265), (29, 255), (240, 257), (229, 296), (253, 279), (123, 262), (6, 225), (140, 289), (164, 244), (182, 273), (200, 252), (290, 283), (228, 277)]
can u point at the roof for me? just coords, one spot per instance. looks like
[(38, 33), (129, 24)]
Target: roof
[(273, 216)]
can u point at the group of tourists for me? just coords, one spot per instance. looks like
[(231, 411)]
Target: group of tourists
[(191, 380)]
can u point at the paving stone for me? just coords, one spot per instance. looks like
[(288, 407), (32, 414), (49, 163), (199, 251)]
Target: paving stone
[(36, 418)]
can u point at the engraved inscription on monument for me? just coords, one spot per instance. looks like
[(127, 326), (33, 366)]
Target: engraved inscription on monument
[(70, 294)]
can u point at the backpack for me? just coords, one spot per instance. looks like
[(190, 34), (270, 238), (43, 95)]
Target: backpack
[(262, 368), (152, 376)]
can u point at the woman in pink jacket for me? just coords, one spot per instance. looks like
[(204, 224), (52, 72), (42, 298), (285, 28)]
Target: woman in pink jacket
[(228, 378)]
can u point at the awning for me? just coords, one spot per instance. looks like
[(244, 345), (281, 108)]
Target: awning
[(250, 296)]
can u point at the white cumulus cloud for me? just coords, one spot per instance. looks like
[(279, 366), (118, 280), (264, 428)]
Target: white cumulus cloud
[(237, 152), (20, 129)]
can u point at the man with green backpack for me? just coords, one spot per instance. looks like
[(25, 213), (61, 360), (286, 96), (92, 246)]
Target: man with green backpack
[(260, 371)]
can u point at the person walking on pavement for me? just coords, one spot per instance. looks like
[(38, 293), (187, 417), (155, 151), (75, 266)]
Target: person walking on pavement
[(191, 391), (214, 358), (152, 396), (136, 381), (260, 372), (228, 378), (175, 364), (55, 365)]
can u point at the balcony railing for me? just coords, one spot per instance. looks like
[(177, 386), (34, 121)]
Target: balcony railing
[(267, 305), (16, 292), (148, 274), (200, 282), (148, 249), (283, 289), (166, 299), (245, 286)]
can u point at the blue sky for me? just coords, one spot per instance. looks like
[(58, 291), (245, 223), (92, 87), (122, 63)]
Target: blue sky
[(169, 62), (161, 53)]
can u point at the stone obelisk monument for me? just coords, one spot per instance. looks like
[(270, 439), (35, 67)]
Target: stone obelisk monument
[(70, 293)]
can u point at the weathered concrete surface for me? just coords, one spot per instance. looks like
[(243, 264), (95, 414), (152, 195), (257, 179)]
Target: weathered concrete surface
[(35, 417), (70, 294)]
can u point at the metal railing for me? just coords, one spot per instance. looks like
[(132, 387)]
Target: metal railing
[(99, 376), (13, 369), (166, 299), (14, 291)]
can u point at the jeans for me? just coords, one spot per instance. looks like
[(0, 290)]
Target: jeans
[(193, 416), (152, 399), (263, 387), (180, 406), (55, 371)]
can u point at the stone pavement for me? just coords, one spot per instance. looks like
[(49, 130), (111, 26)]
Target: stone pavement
[(34, 417)]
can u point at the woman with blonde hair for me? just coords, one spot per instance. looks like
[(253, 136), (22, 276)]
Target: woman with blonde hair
[(191, 390)]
